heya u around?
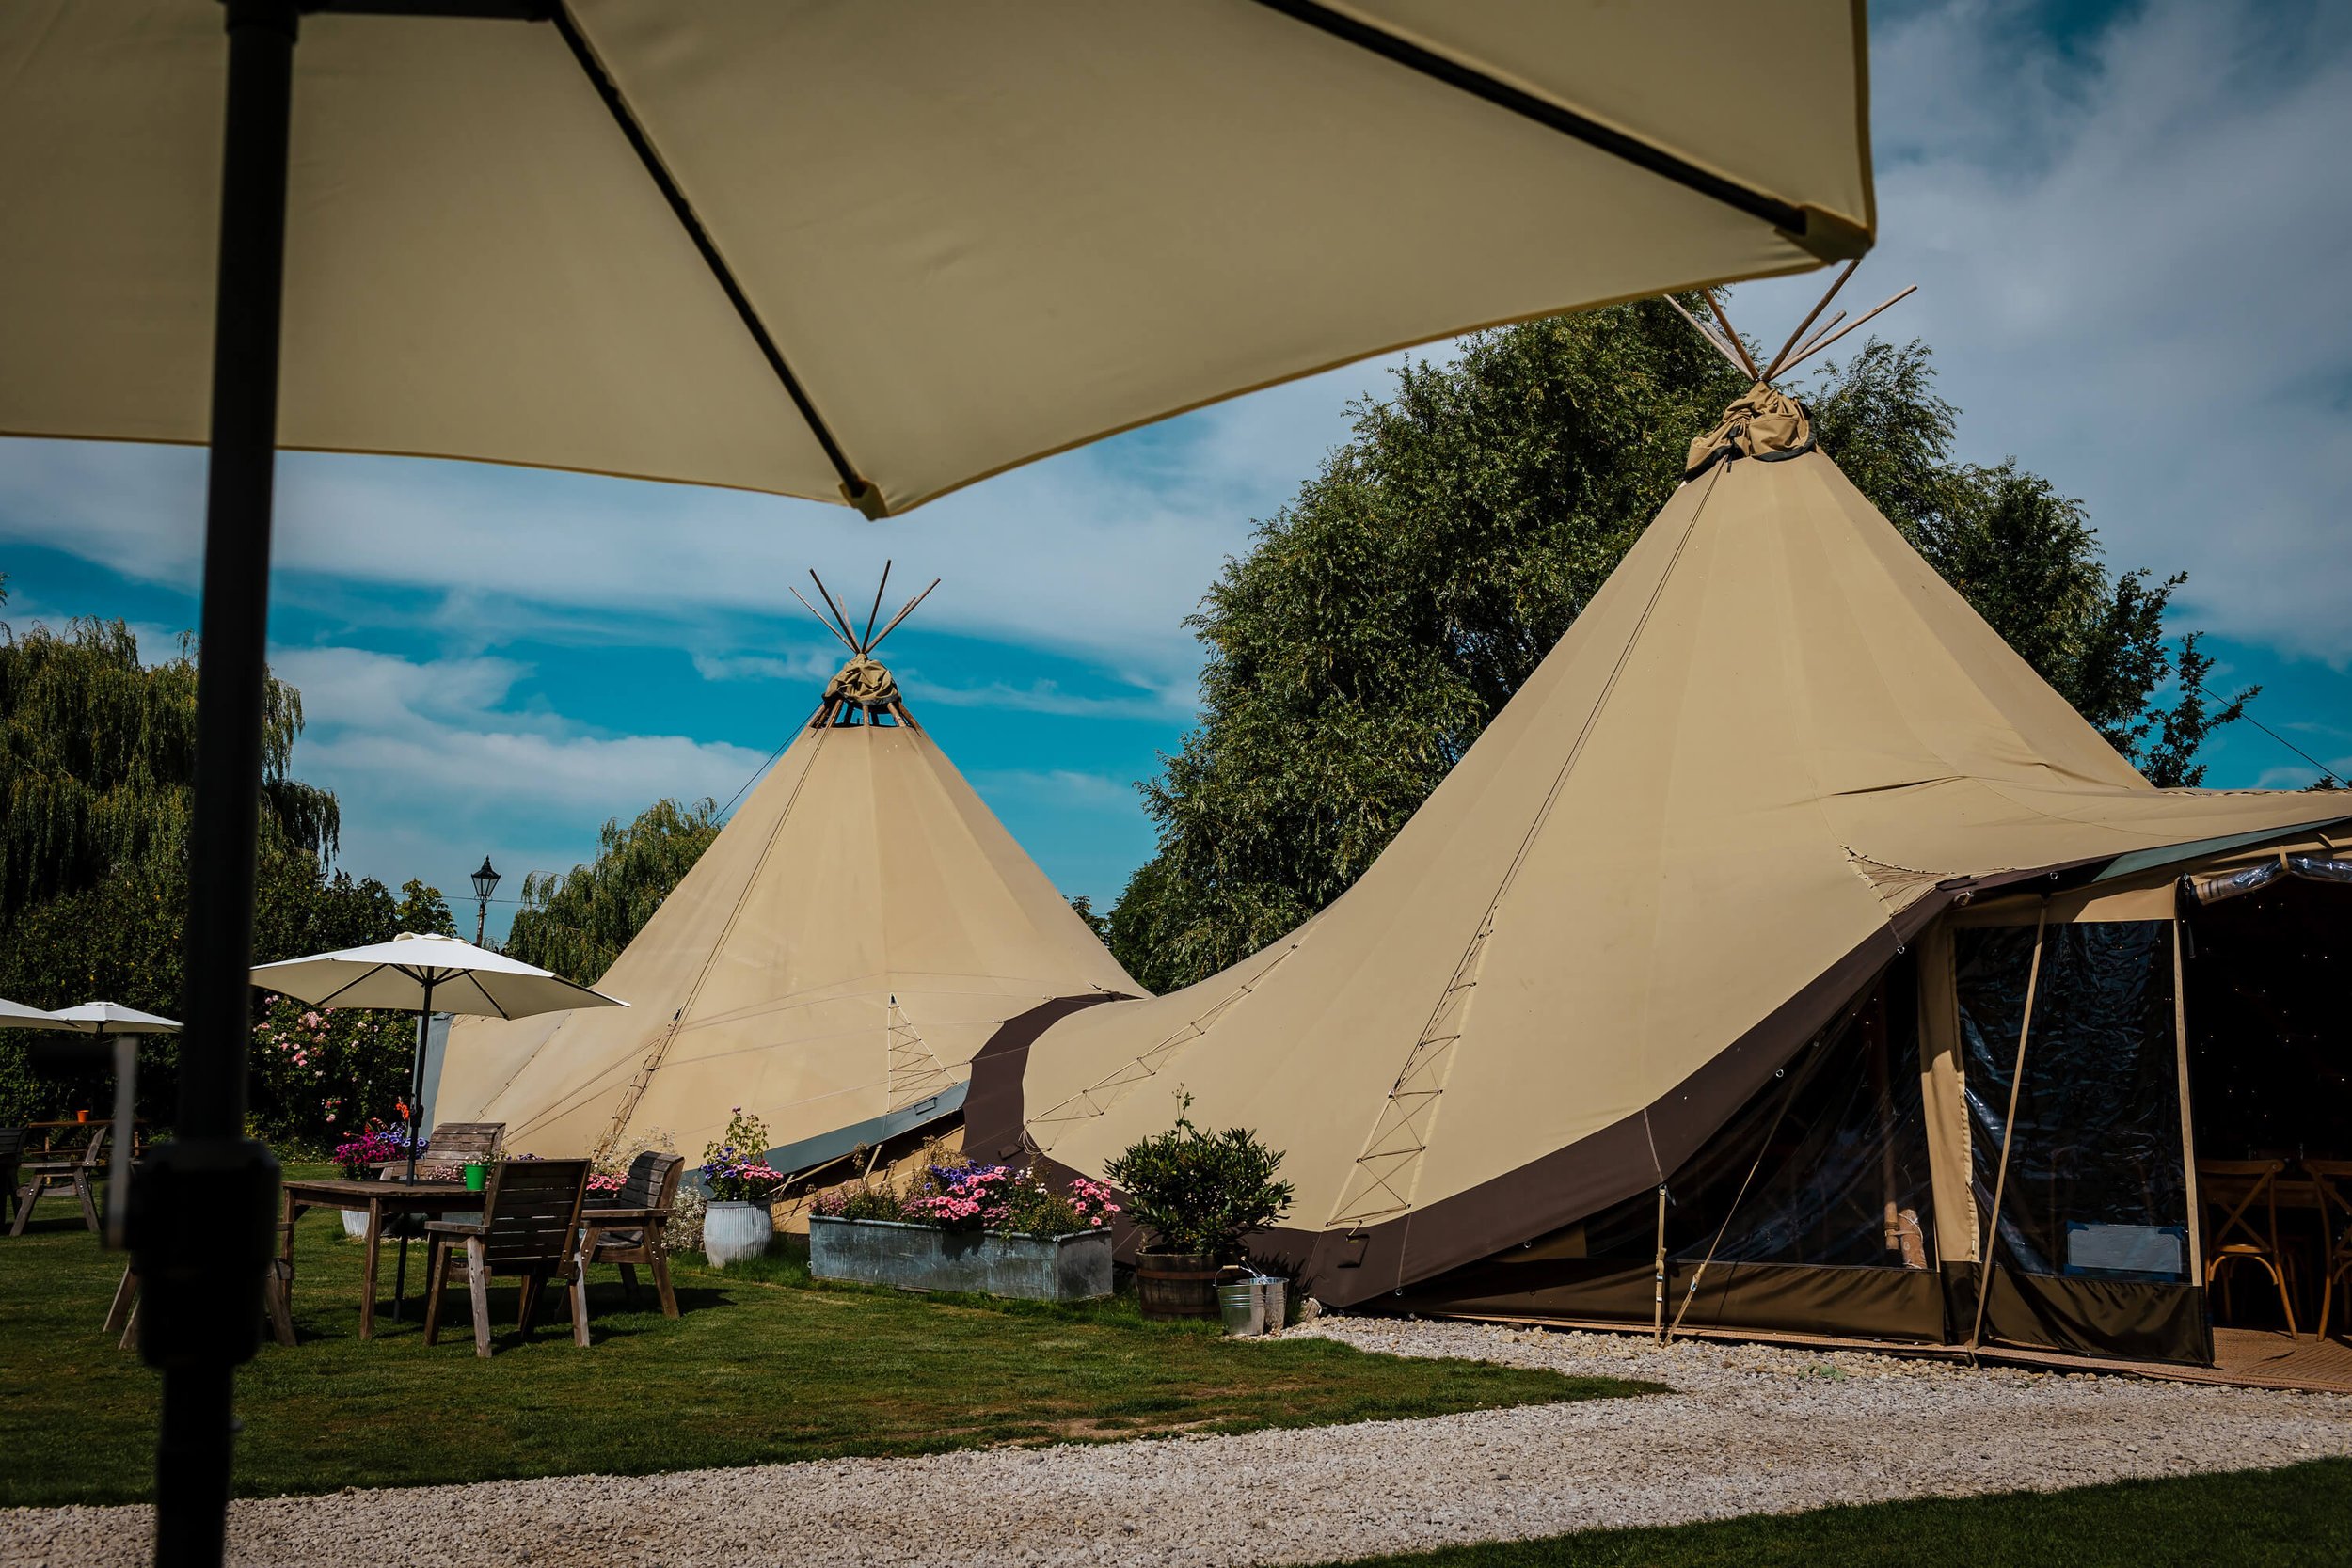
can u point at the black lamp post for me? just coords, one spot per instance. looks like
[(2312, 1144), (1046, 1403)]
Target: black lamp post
[(486, 883)]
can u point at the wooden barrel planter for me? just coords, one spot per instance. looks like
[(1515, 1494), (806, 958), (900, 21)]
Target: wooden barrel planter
[(1176, 1284)]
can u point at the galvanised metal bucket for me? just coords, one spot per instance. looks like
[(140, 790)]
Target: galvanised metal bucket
[(1242, 1305)]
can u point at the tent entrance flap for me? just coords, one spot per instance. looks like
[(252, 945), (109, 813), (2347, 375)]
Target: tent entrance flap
[(2093, 1193)]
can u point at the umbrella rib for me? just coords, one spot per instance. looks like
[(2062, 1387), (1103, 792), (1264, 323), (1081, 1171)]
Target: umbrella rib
[(856, 488), (1605, 138), (328, 1000)]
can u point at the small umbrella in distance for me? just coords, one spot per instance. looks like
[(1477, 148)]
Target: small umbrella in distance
[(424, 974), (16, 1015), (122, 1025)]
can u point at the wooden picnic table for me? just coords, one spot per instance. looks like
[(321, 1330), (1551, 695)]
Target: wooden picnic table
[(53, 1144), (432, 1199)]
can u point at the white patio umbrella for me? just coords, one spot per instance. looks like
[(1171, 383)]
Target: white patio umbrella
[(425, 974), (123, 1025), (857, 252)]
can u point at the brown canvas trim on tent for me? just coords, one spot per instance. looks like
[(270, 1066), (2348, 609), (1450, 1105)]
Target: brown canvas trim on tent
[(2130, 1320), (991, 1105), (1906, 1305)]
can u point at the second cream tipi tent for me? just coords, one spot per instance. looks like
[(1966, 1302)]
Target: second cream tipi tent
[(1774, 750), (859, 928)]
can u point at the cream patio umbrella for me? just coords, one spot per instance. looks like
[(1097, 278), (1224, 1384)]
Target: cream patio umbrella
[(424, 974), (866, 251), (112, 1020)]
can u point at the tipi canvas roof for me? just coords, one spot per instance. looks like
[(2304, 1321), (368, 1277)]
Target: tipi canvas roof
[(862, 924), (1774, 746)]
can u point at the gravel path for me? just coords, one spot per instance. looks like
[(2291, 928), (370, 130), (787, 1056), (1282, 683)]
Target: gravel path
[(1750, 1429)]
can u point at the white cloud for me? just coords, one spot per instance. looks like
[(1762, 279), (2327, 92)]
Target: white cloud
[(1067, 788), (801, 669), (1099, 553), (423, 754), (1045, 696), (2129, 259)]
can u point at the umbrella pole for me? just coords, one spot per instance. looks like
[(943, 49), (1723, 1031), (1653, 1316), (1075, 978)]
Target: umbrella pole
[(126, 1110), (201, 1213), (415, 1110)]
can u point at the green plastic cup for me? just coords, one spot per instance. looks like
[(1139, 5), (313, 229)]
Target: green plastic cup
[(474, 1174)]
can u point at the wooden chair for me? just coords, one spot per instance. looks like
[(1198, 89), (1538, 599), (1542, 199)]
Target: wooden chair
[(80, 1175), (2247, 1182), (11, 1157), (529, 1228), (630, 1229), (123, 1315), (2333, 1178)]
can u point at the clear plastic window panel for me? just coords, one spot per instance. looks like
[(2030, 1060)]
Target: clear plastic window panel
[(2095, 1185)]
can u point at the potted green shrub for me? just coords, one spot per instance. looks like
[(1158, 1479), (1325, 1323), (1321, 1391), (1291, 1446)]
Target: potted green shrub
[(1196, 1195)]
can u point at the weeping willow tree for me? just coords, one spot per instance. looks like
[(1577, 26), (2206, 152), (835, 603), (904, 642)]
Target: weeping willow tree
[(98, 763), (577, 923)]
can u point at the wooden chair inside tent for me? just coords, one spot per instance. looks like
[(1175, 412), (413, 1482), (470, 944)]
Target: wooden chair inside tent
[(529, 1229), (2333, 1178), (630, 1230), (2235, 1187), (78, 1174)]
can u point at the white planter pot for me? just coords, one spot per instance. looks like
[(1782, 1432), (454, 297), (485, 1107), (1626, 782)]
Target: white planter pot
[(734, 1231), (355, 1223)]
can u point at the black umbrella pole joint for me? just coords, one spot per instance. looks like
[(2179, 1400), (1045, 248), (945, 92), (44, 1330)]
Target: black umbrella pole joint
[(202, 1205)]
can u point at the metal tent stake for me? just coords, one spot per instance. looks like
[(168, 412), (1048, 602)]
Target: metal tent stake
[(202, 1206)]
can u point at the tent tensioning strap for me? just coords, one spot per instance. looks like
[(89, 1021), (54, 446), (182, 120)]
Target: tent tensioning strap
[(1781, 215)]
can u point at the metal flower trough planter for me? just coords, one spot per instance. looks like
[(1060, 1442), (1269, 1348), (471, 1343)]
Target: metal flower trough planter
[(1076, 1267)]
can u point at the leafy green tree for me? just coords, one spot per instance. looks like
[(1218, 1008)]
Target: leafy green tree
[(423, 910), (1082, 906), (577, 923), (1383, 617)]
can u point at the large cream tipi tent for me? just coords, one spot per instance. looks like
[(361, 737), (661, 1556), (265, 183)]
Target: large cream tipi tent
[(1773, 754), (860, 928)]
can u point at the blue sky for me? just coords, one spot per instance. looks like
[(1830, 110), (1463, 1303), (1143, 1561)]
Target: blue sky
[(2128, 224)]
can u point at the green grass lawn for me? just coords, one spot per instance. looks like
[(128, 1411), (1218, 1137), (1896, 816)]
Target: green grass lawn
[(762, 1367), (2288, 1518)]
